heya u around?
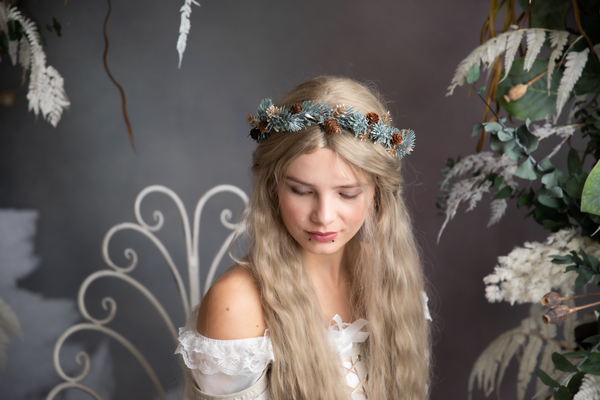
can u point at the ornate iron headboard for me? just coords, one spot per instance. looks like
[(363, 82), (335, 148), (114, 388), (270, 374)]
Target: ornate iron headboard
[(188, 302)]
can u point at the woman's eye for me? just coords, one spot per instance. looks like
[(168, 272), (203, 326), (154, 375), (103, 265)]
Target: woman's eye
[(299, 192), (349, 196)]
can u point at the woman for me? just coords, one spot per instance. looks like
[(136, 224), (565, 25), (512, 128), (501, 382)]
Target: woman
[(331, 248)]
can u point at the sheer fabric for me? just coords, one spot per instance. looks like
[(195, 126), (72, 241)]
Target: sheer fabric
[(226, 367)]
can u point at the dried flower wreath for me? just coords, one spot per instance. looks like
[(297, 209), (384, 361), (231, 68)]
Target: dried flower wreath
[(397, 142)]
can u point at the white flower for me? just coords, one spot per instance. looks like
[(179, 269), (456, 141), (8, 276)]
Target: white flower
[(527, 273)]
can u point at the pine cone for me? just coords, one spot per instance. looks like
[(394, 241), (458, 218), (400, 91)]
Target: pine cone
[(396, 139), (331, 126), (263, 126), (254, 133), (373, 118), (296, 108)]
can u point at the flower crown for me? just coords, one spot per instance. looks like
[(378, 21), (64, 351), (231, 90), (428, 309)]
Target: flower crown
[(332, 120)]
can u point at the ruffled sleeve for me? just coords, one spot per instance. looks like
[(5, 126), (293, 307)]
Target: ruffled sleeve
[(223, 366)]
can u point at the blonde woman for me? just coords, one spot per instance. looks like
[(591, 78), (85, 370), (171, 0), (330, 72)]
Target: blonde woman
[(329, 303)]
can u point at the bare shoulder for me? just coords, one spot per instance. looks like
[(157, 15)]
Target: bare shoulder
[(232, 309)]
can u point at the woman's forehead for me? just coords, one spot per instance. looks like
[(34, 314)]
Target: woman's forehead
[(324, 167)]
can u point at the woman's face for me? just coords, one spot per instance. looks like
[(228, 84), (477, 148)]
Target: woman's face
[(322, 202)]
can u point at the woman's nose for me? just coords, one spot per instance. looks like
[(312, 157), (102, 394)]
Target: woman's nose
[(324, 211)]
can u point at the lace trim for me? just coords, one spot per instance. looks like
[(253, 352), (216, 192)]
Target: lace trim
[(231, 357)]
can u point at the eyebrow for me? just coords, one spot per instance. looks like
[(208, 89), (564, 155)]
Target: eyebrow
[(291, 178)]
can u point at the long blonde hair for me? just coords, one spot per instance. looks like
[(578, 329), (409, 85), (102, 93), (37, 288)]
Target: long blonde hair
[(386, 268)]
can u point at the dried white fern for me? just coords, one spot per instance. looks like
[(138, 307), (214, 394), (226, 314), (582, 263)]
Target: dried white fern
[(528, 364), (46, 91), (535, 41), (507, 355), (471, 189), (184, 27), (498, 208), (24, 53), (9, 325), (573, 69), (13, 47), (491, 365), (512, 45), (558, 40), (508, 43), (590, 388)]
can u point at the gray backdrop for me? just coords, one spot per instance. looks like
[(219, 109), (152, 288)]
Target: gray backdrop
[(190, 131)]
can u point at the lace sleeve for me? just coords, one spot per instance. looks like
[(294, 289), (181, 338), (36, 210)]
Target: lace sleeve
[(223, 366)]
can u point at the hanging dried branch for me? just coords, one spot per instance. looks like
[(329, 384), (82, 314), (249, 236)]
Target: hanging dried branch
[(114, 81)]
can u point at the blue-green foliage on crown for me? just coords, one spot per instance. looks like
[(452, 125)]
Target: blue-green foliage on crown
[(284, 120)]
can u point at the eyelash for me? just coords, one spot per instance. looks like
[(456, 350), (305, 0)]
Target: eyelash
[(341, 194)]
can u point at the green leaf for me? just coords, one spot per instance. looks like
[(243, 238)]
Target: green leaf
[(57, 27), (592, 364), (500, 146), (481, 90), (562, 364), (563, 394), (476, 129), (546, 379), (4, 41), (473, 73), (547, 14), (574, 185), (498, 181), (493, 127), (575, 382), (555, 192), (548, 201), (590, 198), (526, 171), (515, 152), (573, 162), (504, 193), (527, 139), (593, 340), (536, 104), (576, 354), (504, 135), (550, 180), (526, 199), (546, 165)]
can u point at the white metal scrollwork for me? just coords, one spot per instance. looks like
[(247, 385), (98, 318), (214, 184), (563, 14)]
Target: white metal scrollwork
[(188, 301)]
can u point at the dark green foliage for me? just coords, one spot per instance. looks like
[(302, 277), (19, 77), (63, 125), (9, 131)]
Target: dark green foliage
[(548, 14), (586, 266), (562, 364), (536, 104)]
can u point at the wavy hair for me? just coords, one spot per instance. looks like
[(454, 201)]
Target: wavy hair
[(386, 268)]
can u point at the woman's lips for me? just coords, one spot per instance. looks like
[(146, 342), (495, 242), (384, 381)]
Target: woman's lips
[(322, 236)]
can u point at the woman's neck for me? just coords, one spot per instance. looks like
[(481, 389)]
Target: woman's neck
[(332, 282)]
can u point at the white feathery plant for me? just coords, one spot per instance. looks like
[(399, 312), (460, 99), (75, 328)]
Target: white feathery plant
[(46, 93), (184, 27)]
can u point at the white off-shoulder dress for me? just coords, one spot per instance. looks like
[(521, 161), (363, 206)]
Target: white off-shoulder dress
[(238, 369)]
